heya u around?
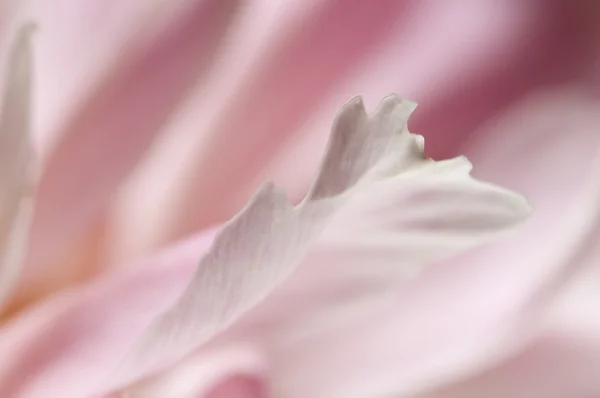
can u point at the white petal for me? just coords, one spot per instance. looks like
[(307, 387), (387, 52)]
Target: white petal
[(16, 177), (264, 244)]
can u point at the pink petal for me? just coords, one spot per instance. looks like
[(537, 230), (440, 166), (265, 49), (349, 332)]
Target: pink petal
[(117, 118), (238, 387), (314, 56), (69, 345), (266, 93), (225, 370), (563, 361), (463, 62), (74, 342)]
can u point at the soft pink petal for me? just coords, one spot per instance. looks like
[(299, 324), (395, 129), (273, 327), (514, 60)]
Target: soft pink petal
[(69, 345), (463, 62), (74, 342), (108, 130), (563, 361), (238, 387), (212, 374), (16, 161)]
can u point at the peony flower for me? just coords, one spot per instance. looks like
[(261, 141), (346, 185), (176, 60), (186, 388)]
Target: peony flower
[(124, 282)]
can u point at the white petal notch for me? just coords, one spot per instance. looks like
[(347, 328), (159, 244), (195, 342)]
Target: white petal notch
[(17, 174), (263, 245)]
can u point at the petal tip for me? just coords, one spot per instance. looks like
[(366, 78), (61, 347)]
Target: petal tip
[(355, 106), (394, 103)]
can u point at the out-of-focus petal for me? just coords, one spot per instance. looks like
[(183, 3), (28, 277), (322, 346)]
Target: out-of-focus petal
[(563, 361), (465, 64), (114, 122), (369, 160), (70, 344), (315, 55), (16, 161), (239, 387), (264, 94), (212, 374)]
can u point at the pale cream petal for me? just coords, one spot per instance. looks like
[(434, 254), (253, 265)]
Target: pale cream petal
[(263, 245), (16, 161)]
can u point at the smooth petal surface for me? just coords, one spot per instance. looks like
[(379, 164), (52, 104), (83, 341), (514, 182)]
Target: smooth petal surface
[(318, 52), (16, 161), (563, 361), (465, 64), (116, 119), (69, 345), (263, 245)]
